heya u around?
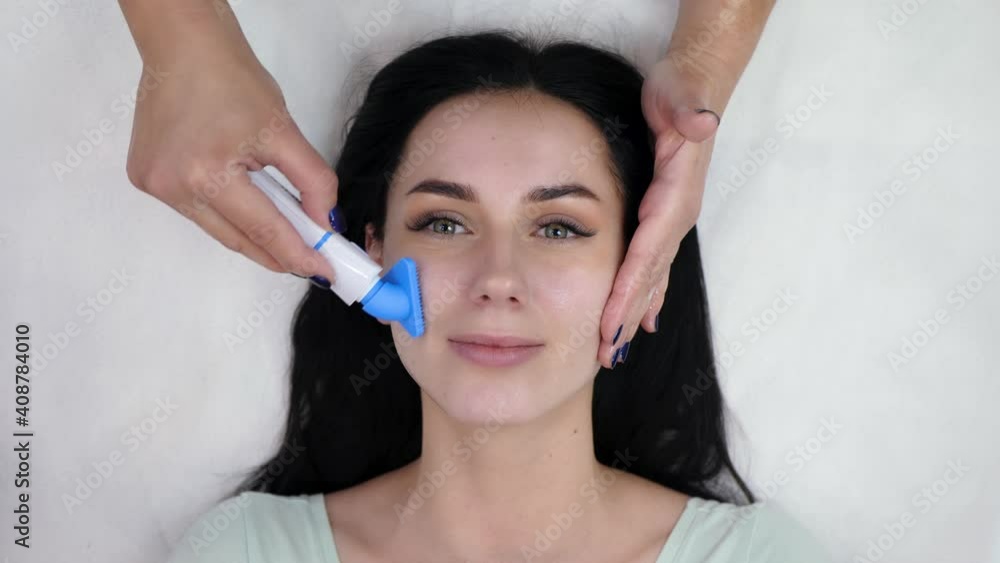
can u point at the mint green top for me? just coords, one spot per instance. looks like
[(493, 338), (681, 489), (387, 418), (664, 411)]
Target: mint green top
[(263, 528)]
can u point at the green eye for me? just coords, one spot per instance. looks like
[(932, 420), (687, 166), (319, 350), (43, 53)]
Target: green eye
[(559, 231), (443, 225), (446, 223), (439, 224)]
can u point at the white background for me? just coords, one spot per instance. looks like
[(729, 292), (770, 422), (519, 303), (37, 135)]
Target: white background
[(64, 238)]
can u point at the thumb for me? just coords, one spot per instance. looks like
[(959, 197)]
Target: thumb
[(697, 123), (694, 111), (306, 169)]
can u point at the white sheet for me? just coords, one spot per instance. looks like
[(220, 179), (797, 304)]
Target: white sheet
[(825, 358)]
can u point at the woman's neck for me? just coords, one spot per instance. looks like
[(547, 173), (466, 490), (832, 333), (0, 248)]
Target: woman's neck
[(500, 491)]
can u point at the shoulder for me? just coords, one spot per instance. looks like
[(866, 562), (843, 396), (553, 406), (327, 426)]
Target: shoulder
[(761, 532), (252, 526)]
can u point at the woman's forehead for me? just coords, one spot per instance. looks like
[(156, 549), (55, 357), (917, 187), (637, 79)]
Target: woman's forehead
[(507, 142)]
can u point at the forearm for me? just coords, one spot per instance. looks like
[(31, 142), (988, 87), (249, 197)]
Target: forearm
[(715, 40), (160, 28)]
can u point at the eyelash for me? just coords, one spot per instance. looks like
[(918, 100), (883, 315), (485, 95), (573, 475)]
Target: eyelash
[(422, 221)]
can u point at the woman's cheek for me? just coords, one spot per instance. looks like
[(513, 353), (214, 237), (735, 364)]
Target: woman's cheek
[(573, 298), (443, 284)]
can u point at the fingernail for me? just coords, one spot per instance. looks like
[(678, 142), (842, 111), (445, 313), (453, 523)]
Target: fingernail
[(656, 324), (320, 281), (718, 119), (614, 358), (617, 334), (625, 350), (337, 220)]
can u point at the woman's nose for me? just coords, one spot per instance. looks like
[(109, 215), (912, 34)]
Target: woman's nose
[(499, 275)]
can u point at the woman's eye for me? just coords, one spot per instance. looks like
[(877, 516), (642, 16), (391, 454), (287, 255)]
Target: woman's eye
[(558, 231), (565, 230), (448, 226), (438, 224), (551, 231)]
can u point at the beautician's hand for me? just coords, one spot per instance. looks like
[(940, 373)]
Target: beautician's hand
[(667, 211), (709, 48), (214, 113)]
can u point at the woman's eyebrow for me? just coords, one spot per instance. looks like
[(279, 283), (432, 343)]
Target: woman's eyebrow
[(538, 194)]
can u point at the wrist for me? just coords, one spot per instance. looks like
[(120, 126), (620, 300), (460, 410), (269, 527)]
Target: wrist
[(714, 40), (169, 35)]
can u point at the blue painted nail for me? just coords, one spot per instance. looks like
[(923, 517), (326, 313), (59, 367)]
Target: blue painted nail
[(337, 220), (320, 281), (625, 350), (616, 358), (617, 334)]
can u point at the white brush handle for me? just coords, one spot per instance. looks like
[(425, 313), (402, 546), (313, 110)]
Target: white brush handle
[(356, 272)]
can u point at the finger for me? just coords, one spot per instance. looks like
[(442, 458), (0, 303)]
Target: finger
[(667, 145), (655, 304), (676, 191), (253, 213), (219, 228), (696, 124), (692, 98), (637, 310), (644, 264), (306, 169)]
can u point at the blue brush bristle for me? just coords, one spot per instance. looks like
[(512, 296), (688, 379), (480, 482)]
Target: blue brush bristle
[(397, 297), (414, 321)]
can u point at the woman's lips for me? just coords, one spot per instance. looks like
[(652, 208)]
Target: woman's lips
[(494, 356)]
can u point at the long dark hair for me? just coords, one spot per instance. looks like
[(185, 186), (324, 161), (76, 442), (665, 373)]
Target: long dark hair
[(354, 411)]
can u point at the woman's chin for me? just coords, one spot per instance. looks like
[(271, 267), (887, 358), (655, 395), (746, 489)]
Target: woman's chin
[(481, 404)]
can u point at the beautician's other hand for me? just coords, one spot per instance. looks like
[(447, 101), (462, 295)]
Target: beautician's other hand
[(215, 113), (709, 48), (684, 142)]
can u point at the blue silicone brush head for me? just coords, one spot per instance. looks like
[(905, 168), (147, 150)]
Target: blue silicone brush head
[(396, 297)]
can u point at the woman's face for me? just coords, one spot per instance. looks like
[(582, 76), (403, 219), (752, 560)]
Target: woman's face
[(507, 204)]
